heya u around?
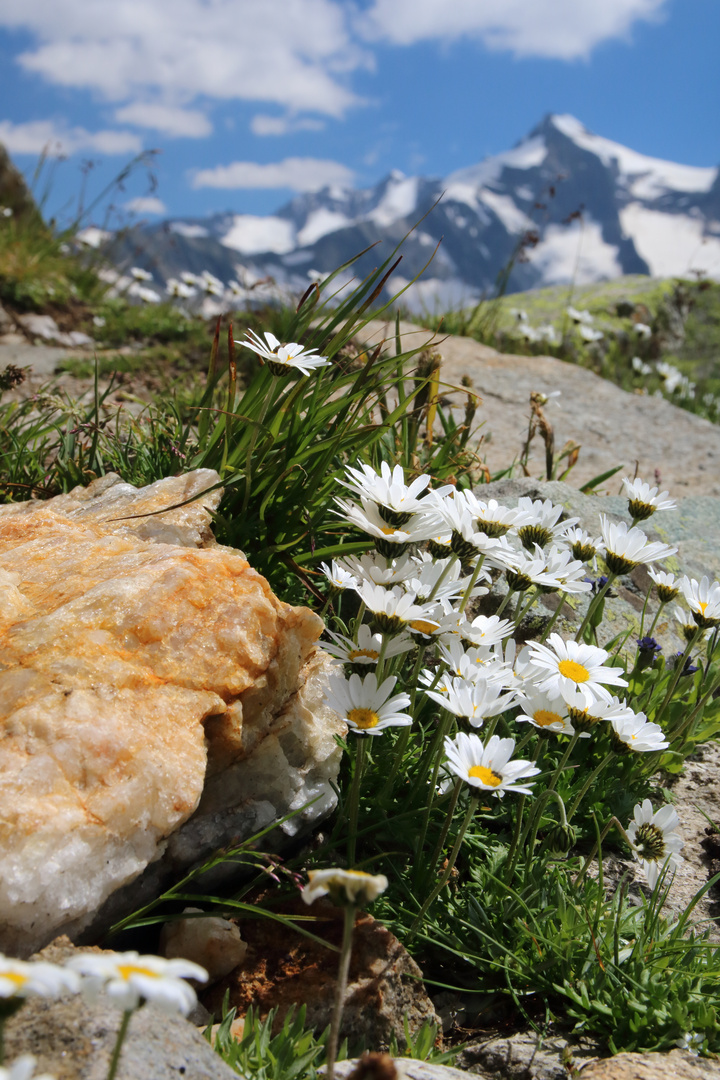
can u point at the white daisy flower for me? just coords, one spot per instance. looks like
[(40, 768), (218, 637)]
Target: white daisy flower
[(568, 571), (474, 663), (394, 609), (281, 358), (488, 767), (627, 548), (582, 545), (654, 840), (338, 576), (20, 978), (544, 713), (139, 274), (586, 717), (589, 333), (378, 570), (644, 500), (128, 978), (493, 519), (390, 539), (568, 667), (703, 599), (212, 285), (486, 630), (429, 572), (465, 540), (686, 627), (365, 706), (178, 288), (23, 1068), (637, 734), (396, 500), (667, 590), (472, 701), (367, 648), (348, 886), (544, 525), (583, 317)]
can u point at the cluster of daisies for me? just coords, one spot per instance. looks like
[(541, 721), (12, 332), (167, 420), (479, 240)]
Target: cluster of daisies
[(435, 551)]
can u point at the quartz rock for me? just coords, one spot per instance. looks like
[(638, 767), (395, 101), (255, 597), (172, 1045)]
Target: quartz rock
[(157, 701), (209, 941)]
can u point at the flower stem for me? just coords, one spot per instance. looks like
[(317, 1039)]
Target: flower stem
[(679, 667), (594, 604), (471, 584), (512, 853), (555, 616), (445, 829), (354, 800), (115, 1059), (429, 900), (342, 981), (590, 780), (563, 761)]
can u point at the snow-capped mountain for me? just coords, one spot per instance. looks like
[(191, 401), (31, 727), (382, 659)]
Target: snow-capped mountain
[(587, 208)]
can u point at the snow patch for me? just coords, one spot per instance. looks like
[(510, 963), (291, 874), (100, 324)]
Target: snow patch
[(647, 177), (672, 244), (399, 200), (321, 222), (192, 232), (527, 155), (514, 220), (253, 235), (575, 254)]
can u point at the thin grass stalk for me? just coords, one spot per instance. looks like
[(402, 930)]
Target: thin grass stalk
[(452, 858)]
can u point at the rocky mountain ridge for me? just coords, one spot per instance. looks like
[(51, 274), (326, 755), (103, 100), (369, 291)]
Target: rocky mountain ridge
[(564, 203)]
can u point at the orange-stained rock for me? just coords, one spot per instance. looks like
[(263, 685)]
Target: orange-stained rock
[(129, 658)]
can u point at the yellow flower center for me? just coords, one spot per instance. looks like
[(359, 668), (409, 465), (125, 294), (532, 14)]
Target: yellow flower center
[(14, 977), (363, 718), (492, 779), (389, 531), (572, 670), (126, 970), (423, 627), (703, 605), (371, 654), (544, 717)]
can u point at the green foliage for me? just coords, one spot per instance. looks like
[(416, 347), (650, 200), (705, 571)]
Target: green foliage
[(37, 271), (293, 1053), (423, 1046)]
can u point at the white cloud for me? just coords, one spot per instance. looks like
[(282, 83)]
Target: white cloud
[(298, 174), (169, 119), (146, 204), (283, 125), (295, 53), (559, 29), (44, 136)]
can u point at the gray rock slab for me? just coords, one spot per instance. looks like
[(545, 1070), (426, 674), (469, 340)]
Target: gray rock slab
[(612, 426), (676, 1065), (73, 1040), (42, 359), (408, 1069)]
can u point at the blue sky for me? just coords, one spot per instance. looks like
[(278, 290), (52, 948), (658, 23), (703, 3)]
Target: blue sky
[(251, 101)]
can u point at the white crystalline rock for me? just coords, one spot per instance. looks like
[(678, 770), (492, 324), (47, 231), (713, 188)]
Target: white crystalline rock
[(142, 676), (212, 942)]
